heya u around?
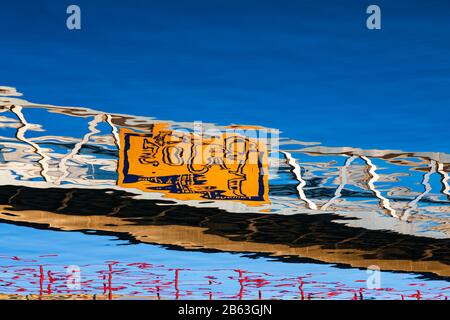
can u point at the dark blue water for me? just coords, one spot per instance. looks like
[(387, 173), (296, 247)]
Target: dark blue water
[(310, 68)]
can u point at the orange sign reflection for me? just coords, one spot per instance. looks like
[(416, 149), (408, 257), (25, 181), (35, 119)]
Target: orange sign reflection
[(188, 166)]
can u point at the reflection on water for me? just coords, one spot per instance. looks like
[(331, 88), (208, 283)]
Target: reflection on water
[(188, 166), (162, 182), (116, 280)]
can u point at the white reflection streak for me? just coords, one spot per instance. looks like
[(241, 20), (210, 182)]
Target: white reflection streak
[(92, 130), (343, 174), (114, 130), (297, 172), (446, 187), (20, 135), (371, 184), (426, 183)]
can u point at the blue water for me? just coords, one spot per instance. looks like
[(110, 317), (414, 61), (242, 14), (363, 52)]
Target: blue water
[(76, 249), (309, 68)]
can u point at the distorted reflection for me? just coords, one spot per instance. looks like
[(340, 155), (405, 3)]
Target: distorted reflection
[(193, 167), (224, 188)]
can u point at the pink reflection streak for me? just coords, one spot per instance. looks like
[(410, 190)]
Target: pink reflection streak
[(146, 280)]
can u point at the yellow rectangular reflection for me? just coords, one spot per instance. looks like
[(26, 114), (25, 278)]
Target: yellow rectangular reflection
[(187, 166)]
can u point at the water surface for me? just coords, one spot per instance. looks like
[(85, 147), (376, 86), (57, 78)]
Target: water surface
[(359, 178)]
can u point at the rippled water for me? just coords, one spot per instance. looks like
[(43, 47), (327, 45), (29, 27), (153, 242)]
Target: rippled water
[(342, 164), (304, 221)]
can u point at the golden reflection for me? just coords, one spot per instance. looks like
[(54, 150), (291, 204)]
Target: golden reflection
[(188, 166)]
